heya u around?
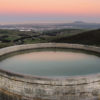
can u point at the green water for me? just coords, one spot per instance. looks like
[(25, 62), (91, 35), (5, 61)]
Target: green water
[(53, 63)]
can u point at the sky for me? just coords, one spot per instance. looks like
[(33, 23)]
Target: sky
[(44, 11)]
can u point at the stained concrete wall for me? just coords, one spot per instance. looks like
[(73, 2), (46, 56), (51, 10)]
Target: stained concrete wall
[(20, 87)]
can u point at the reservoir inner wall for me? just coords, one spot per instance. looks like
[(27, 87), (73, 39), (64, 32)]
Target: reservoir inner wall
[(14, 86)]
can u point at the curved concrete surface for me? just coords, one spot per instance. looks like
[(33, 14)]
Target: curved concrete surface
[(20, 87)]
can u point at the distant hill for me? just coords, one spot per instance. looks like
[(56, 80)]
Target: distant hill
[(83, 25), (48, 26), (89, 38)]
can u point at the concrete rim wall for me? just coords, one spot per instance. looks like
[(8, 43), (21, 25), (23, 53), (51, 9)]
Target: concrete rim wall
[(77, 86)]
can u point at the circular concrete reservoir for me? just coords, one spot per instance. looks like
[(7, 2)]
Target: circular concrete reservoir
[(52, 62), (50, 71)]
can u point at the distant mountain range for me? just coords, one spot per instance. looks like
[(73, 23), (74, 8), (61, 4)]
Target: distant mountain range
[(41, 27), (84, 25)]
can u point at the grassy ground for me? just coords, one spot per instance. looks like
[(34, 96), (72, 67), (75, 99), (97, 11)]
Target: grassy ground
[(15, 37), (80, 36), (89, 38)]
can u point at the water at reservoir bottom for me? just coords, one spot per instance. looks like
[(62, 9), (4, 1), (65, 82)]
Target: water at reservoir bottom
[(52, 63)]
